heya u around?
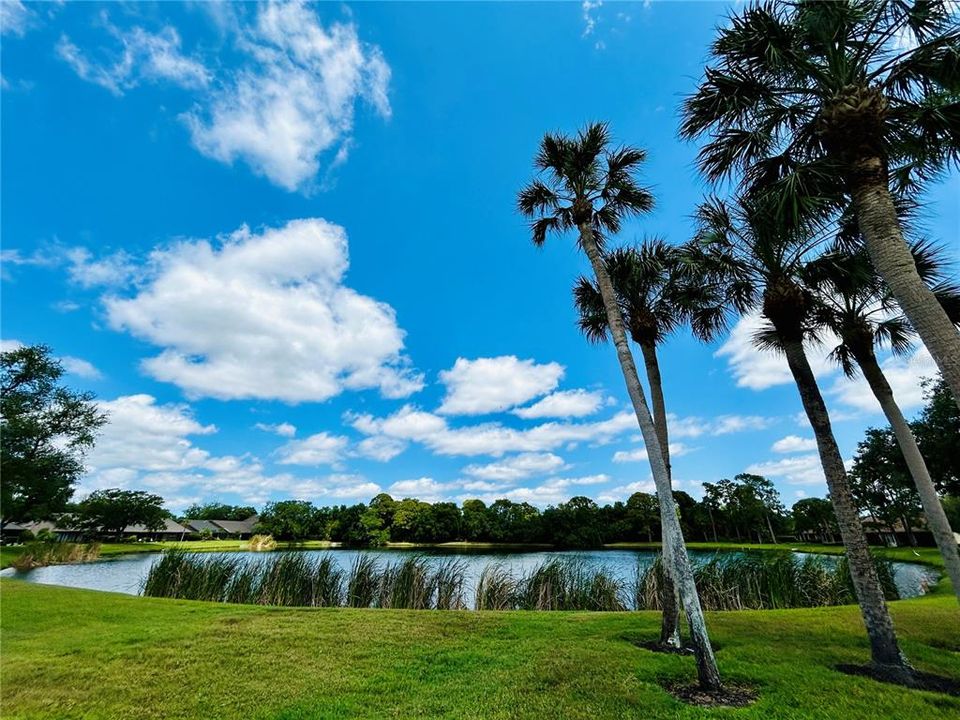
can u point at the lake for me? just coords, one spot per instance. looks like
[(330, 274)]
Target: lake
[(126, 573)]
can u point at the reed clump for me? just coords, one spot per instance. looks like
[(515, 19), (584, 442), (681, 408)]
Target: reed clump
[(262, 543), (41, 554)]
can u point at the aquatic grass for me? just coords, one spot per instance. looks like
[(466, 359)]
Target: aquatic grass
[(448, 581), (405, 585), (495, 588), (362, 583), (40, 554), (262, 543)]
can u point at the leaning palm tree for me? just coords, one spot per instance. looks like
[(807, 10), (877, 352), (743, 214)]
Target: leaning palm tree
[(588, 187), (856, 305), (754, 263), (823, 100), (643, 279)]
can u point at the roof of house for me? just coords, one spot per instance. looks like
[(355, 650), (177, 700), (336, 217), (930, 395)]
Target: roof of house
[(237, 527), (201, 525), (170, 526)]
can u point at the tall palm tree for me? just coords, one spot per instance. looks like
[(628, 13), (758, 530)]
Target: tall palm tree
[(818, 101), (643, 279), (856, 305), (587, 186), (754, 264)]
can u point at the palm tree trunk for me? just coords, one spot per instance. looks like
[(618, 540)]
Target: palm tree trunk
[(880, 227), (675, 552), (932, 507), (670, 618), (884, 649)]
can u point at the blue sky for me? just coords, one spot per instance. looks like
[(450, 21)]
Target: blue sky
[(279, 243)]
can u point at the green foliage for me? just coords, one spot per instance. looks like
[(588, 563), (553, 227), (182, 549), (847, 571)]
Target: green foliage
[(218, 511), (42, 553), (289, 520), (937, 429), (110, 511), (46, 430)]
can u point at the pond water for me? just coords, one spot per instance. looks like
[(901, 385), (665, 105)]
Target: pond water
[(126, 573)]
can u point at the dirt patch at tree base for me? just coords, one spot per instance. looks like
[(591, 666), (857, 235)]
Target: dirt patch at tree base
[(916, 681), (736, 696)]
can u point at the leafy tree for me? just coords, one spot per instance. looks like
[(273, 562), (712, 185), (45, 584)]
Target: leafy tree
[(586, 186), (574, 524), (512, 522), (110, 511), (475, 522), (643, 515), (757, 263), (289, 520), (46, 429), (817, 102), (815, 515), (937, 430), (764, 497), (218, 511)]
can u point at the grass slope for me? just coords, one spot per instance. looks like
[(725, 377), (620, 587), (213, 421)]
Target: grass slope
[(80, 654)]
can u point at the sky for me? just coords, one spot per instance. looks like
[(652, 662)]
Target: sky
[(279, 243)]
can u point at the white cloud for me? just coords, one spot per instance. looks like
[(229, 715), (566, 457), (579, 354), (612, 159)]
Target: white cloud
[(793, 444), (622, 456), (565, 403), (80, 367), (517, 467), (797, 470), (622, 492), (693, 427), (411, 424), (904, 375), (7, 345), (15, 18), (486, 385), (264, 316), (589, 21), (425, 488), (284, 429), (319, 449), (137, 56), (381, 448), (760, 369), (115, 270), (551, 492), (295, 99)]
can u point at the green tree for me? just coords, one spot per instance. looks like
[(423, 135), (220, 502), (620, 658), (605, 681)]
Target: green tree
[(475, 522), (765, 498), (815, 515), (756, 263), (937, 430), (46, 429), (819, 101), (218, 511), (289, 520), (588, 187), (110, 511), (643, 515)]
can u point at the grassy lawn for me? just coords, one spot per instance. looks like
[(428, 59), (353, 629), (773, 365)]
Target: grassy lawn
[(80, 654)]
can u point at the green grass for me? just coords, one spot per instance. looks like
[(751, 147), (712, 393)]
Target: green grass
[(79, 654)]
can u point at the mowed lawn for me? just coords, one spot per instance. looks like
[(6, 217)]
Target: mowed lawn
[(79, 654)]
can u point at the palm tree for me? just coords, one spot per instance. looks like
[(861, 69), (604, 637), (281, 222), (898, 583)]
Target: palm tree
[(855, 304), (644, 283), (587, 186), (752, 263), (819, 101)]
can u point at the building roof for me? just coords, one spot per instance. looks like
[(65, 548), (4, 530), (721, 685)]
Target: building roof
[(238, 527), (201, 525), (170, 526)]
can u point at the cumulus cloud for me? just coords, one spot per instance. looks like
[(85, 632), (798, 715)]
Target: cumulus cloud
[(136, 56), (295, 99), (409, 423), (319, 449), (760, 369), (115, 270), (622, 456), (487, 385), (381, 449), (797, 470), (793, 444), (264, 315), (517, 467), (147, 445), (565, 403), (904, 375), (550, 492), (80, 367), (282, 429), (425, 488), (622, 492)]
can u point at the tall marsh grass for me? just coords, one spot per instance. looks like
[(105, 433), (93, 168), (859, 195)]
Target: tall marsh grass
[(725, 582), (40, 554)]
